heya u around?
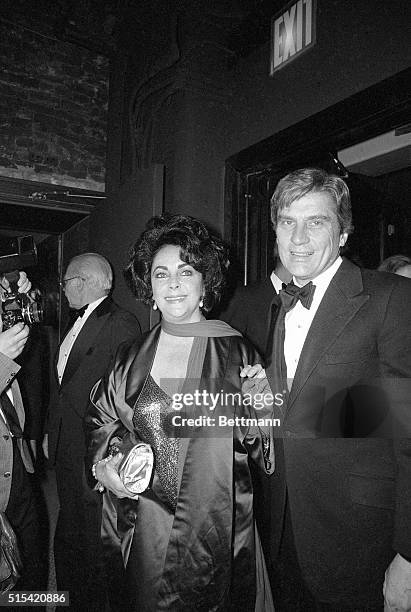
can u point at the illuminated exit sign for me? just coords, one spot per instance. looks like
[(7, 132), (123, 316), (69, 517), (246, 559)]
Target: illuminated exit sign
[(292, 32)]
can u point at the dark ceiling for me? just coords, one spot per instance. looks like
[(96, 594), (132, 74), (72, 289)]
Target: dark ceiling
[(87, 23), (106, 25)]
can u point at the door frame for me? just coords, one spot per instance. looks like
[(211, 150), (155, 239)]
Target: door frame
[(366, 114)]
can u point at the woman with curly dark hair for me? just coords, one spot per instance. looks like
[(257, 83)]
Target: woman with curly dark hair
[(189, 539)]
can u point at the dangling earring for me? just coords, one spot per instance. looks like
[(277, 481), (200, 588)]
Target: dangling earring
[(154, 305), (201, 304)]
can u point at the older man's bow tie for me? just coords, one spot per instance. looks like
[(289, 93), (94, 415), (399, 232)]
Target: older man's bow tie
[(291, 294), (75, 313)]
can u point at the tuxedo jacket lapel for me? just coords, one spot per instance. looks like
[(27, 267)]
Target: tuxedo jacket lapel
[(56, 360), (272, 316), (67, 328), (85, 339), (342, 300)]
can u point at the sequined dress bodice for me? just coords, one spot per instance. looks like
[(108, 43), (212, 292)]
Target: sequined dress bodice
[(150, 421)]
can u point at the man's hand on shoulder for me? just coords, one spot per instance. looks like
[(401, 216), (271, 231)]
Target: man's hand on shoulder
[(12, 340), (397, 586)]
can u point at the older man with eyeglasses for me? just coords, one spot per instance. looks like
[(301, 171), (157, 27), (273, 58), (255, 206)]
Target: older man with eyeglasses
[(96, 328)]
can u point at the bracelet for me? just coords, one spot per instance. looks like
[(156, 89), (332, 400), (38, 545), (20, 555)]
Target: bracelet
[(99, 486)]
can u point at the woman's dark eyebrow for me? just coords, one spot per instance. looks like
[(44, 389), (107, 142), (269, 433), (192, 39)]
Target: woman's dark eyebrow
[(160, 267), (166, 267)]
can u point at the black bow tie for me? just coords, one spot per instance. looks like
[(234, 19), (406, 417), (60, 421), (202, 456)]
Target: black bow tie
[(291, 294), (76, 313)]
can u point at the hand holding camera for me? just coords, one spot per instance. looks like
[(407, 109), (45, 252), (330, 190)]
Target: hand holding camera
[(17, 305), (13, 337), (23, 285), (12, 340)]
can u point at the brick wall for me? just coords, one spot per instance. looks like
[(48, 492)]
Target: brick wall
[(53, 110)]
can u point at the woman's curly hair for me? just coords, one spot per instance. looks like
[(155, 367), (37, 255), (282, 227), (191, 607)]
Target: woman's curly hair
[(198, 247)]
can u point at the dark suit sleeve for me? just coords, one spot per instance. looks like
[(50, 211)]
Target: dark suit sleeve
[(101, 420), (256, 436), (394, 348), (33, 380)]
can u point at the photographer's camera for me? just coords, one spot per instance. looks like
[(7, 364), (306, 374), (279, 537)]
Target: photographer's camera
[(18, 253), (20, 308)]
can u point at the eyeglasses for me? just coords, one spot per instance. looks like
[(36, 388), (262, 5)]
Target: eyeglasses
[(64, 282)]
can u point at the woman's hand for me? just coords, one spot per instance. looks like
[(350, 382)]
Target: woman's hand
[(107, 475), (255, 379)]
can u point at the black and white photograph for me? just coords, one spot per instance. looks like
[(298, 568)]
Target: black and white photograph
[(205, 305)]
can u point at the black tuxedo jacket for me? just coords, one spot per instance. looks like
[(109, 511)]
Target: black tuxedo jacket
[(91, 355), (249, 311), (348, 482)]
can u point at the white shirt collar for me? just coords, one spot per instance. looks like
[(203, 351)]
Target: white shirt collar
[(277, 282), (322, 282), (298, 320), (92, 306), (324, 278)]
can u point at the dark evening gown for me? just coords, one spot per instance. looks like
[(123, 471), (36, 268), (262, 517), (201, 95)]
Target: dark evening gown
[(153, 526), (156, 514), (189, 541)]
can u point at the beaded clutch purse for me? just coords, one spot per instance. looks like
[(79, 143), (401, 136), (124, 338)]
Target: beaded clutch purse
[(136, 467)]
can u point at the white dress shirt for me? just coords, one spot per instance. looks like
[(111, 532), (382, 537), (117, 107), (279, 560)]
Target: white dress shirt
[(298, 320), (10, 394), (277, 282), (71, 337)]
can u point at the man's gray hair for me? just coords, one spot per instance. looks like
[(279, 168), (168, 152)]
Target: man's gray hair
[(96, 269)]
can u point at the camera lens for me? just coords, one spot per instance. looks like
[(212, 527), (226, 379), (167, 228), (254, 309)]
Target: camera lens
[(32, 313)]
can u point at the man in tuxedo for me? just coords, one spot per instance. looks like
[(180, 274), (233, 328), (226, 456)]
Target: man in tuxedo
[(341, 498), (249, 309), (17, 497), (86, 351)]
